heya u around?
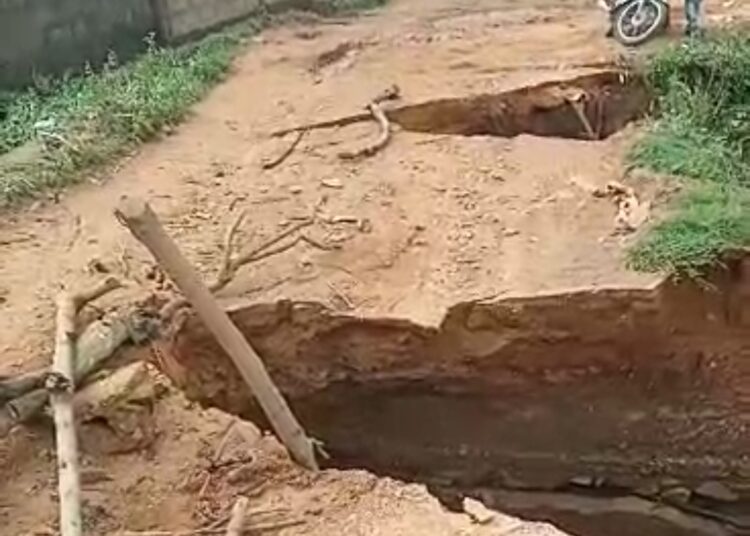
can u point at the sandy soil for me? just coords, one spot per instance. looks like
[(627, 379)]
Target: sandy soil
[(431, 221)]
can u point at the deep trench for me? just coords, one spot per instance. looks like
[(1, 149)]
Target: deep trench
[(620, 412), (587, 107)]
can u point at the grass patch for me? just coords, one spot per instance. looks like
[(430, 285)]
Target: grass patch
[(332, 7), (53, 132), (702, 136), (73, 124)]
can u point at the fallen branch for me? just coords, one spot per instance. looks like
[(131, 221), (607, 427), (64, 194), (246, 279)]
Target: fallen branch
[(581, 113), (226, 272), (257, 253), (289, 150), (137, 216), (390, 93), (61, 384), (230, 267), (98, 342), (328, 123), (237, 521), (12, 387), (383, 138)]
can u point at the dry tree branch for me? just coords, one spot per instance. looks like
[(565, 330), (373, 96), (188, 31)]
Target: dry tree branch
[(230, 266), (225, 272), (383, 138), (289, 150), (578, 108), (145, 226), (12, 387), (390, 93), (254, 254)]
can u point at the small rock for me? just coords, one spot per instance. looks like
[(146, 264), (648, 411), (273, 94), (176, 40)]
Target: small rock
[(332, 183), (716, 491), (511, 232), (584, 481), (677, 494), (295, 189)]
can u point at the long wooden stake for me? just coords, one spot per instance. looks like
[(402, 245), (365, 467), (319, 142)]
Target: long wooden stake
[(68, 473), (138, 216), (61, 385)]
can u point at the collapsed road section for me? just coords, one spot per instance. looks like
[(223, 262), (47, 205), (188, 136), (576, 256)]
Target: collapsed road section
[(604, 393)]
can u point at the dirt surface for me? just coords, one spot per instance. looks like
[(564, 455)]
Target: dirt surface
[(429, 222)]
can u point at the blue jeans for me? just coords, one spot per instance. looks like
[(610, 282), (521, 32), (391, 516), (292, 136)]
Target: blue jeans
[(692, 15)]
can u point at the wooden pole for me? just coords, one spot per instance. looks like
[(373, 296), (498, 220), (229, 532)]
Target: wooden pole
[(138, 216), (61, 385), (61, 397)]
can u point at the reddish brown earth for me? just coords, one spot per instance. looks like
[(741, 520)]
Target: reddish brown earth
[(431, 222)]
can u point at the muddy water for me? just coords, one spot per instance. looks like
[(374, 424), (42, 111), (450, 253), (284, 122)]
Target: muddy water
[(616, 409)]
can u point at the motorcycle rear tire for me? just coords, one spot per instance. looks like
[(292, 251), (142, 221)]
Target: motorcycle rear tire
[(660, 22)]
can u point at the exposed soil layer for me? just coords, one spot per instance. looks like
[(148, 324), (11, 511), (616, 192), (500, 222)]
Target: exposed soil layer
[(591, 106), (628, 391)]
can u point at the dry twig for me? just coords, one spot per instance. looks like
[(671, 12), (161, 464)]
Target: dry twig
[(230, 266), (141, 220), (270, 164), (257, 254), (225, 272), (383, 138), (578, 108)]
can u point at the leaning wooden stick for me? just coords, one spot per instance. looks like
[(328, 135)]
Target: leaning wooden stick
[(137, 216), (270, 164), (61, 385)]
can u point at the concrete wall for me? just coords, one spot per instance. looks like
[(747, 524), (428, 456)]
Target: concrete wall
[(182, 19), (50, 36)]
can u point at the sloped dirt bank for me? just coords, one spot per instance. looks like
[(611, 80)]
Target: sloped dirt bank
[(615, 392)]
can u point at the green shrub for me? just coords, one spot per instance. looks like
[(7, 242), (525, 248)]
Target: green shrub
[(702, 136)]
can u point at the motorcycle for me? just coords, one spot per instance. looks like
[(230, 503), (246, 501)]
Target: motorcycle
[(633, 22)]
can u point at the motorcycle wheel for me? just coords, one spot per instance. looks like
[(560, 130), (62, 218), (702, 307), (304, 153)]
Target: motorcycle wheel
[(633, 26)]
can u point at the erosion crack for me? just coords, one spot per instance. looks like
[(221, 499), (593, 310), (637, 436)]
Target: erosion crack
[(592, 106)]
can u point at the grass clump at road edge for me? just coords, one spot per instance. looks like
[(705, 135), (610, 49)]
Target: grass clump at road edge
[(74, 124), (702, 136)]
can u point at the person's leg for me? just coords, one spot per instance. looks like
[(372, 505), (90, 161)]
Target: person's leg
[(692, 16)]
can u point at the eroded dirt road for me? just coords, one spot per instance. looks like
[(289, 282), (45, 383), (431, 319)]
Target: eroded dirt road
[(448, 218), (431, 221)]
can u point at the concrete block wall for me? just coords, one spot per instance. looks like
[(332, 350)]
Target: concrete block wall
[(183, 19), (51, 36)]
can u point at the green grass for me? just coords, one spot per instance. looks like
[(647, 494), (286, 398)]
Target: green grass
[(333, 7), (53, 133), (77, 123), (702, 136)]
